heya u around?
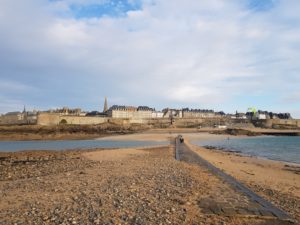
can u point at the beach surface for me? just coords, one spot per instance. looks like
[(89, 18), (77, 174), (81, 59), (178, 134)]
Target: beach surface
[(136, 186), (277, 181)]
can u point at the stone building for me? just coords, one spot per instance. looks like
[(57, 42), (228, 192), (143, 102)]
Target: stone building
[(172, 113), (264, 115), (18, 118), (140, 112), (68, 111), (157, 115), (105, 107)]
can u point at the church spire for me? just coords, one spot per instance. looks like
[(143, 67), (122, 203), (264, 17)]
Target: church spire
[(105, 108)]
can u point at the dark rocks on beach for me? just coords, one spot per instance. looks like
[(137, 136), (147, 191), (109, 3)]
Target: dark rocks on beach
[(237, 132), (38, 164), (292, 168), (220, 149)]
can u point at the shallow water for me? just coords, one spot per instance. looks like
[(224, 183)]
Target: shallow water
[(14, 146), (276, 148)]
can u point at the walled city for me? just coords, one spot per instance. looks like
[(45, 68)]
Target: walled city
[(168, 117)]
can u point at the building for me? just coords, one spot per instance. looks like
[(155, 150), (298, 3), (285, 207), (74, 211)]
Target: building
[(264, 115), (157, 115), (239, 115), (200, 113), (68, 111), (105, 107), (140, 112), (18, 118), (172, 113)]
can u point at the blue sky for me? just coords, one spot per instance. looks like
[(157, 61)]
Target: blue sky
[(216, 54), (113, 8)]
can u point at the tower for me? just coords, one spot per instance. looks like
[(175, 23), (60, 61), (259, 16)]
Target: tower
[(105, 108)]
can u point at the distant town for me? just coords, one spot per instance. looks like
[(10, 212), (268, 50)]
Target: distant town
[(130, 114)]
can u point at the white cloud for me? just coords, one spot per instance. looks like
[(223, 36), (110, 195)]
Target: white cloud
[(190, 94)]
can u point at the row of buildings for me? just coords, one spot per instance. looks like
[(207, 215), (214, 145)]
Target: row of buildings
[(261, 115), (16, 118), (140, 112)]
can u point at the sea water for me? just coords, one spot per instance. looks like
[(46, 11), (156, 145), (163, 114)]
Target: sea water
[(14, 146), (272, 147)]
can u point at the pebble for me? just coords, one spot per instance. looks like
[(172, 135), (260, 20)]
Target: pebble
[(133, 193)]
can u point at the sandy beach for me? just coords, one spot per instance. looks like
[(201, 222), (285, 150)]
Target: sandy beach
[(137, 186), (277, 181)]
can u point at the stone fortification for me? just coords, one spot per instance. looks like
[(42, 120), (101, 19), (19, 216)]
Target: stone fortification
[(278, 123), (47, 119), (54, 119)]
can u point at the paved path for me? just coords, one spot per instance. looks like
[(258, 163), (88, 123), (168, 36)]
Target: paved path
[(252, 205)]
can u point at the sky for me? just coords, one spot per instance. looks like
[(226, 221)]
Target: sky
[(208, 54)]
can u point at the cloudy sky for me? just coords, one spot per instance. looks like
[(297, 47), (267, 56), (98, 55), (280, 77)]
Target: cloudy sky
[(218, 54)]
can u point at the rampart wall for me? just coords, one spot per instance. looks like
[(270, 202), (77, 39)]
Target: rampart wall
[(54, 119), (48, 119), (278, 123)]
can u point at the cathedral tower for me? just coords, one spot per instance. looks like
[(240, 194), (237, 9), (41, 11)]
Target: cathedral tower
[(105, 108)]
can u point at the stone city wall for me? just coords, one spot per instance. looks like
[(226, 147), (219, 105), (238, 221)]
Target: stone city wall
[(82, 120), (211, 122), (279, 123), (193, 122), (54, 119), (46, 119)]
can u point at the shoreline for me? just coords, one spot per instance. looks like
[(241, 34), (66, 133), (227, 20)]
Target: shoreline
[(239, 153), (153, 135), (85, 132), (209, 154), (213, 147), (277, 181)]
